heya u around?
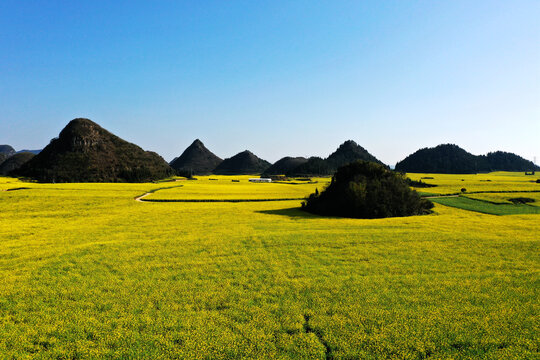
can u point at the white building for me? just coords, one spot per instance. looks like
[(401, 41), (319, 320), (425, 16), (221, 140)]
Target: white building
[(260, 180)]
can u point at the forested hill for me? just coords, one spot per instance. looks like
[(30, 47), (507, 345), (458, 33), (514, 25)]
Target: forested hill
[(85, 152), (346, 153), (196, 160), (451, 159)]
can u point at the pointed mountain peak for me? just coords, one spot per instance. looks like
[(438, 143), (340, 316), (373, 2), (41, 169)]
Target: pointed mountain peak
[(197, 142), (349, 144), (196, 160)]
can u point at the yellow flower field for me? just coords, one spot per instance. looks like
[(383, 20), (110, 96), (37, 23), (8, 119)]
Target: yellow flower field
[(497, 181), (87, 272), (223, 187)]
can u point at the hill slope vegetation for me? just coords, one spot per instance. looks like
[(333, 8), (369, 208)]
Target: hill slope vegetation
[(85, 152), (15, 162)]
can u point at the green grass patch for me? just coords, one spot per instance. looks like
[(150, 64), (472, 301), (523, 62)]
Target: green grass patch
[(486, 207)]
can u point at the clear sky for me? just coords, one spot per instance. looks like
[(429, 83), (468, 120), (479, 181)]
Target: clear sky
[(276, 77)]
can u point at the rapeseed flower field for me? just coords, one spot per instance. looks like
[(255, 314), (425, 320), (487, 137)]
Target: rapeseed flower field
[(87, 272)]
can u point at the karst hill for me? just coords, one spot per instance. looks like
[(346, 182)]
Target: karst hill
[(451, 159), (242, 163), (346, 153), (196, 160), (285, 165), (85, 152)]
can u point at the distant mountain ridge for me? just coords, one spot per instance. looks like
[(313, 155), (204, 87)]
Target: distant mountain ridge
[(35, 152), (451, 159), (243, 163), (196, 160), (85, 152)]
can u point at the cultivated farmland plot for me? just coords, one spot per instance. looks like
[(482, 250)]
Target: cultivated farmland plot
[(87, 272)]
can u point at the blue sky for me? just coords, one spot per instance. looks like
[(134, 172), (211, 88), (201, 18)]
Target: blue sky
[(276, 77)]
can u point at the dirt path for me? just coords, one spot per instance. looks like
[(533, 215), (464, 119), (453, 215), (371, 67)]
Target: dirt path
[(138, 198), (213, 200)]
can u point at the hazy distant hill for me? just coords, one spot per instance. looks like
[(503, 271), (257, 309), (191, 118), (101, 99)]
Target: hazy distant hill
[(7, 150), (451, 159), (85, 152), (14, 162), (284, 165), (35, 152), (346, 153), (242, 163), (196, 160)]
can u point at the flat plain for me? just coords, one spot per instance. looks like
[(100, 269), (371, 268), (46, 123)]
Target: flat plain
[(87, 272)]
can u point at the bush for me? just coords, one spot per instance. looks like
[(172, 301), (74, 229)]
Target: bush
[(521, 200), (367, 190), (419, 184)]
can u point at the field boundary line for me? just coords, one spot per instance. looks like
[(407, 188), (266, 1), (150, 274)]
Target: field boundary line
[(141, 198), (479, 192)]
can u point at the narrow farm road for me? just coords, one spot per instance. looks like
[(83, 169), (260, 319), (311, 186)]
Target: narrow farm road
[(138, 198)]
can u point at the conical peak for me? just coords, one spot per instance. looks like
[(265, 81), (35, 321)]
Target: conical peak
[(197, 143), (197, 159), (348, 144)]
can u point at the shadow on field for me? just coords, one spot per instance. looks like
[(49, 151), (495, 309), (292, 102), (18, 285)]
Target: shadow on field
[(294, 213)]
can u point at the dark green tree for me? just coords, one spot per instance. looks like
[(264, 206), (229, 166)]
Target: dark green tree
[(365, 189)]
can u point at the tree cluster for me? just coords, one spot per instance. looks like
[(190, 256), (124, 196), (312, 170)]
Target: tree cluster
[(364, 189)]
